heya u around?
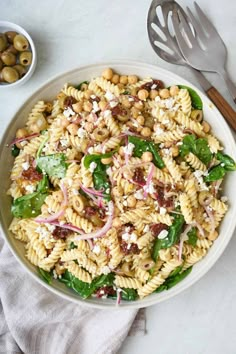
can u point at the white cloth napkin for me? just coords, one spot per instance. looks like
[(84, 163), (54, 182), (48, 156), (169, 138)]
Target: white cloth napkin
[(35, 321)]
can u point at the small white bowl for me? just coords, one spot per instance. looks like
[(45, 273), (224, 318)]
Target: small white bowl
[(9, 26)]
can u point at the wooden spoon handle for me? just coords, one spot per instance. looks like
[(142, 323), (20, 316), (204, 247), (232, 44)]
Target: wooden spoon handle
[(226, 110)]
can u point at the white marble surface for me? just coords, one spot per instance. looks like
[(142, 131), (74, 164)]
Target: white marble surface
[(70, 33)]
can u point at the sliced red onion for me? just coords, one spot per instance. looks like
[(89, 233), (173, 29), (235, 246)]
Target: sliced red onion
[(211, 217), (66, 226), (27, 137), (149, 179), (104, 229), (60, 213), (183, 237), (118, 298), (92, 191), (216, 186)]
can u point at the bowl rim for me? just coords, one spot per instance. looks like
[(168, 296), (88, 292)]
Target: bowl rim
[(146, 302), (32, 67)]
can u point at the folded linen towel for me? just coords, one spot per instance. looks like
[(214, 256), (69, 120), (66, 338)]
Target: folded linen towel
[(35, 321)]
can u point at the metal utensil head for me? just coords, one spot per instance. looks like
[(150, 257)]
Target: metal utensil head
[(160, 35)]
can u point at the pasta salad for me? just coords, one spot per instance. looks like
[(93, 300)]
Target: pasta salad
[(116, 186)]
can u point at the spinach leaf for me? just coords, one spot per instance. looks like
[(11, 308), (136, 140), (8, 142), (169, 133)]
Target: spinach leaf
[(198, 147), (28, 205), (126, 93), (46, 276), (195, 98), (72, 246), (129, 294), (78, 87), (142, 146), (176, 271), (160, 288), (97, 158), (15, 150), (215, 173), (85, 289), (101, 180), (53, 165), (192, 236), (227, 161), (43, 185), (172, 237), (172, 281)]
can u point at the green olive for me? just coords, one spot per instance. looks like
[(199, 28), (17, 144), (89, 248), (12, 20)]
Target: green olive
[(9, 74), (1, 64), (25, 58), (10, 35), (11, 49), (3, 42), (20, 42), (20, 69), (8, 58)]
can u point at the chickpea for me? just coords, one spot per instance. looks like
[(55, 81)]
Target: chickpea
[(102, 105), (77, 107), (106, 161), (124, 79), (206, 127), (138, 105), (60, 269), (174, 90), (140, 204), (107, 73), (115, 79), (88, 106), (146, 132), (131, 201), (49, 107), (213, 235), (132, 79), (21, 133), (153, 94), (39, 125), (126, 103), (175, 151), (89, 127), (117, 191), (143, 94), (164, 93), (88, 93), (63, 122), (134, 91), (140, 120), (147, 156), (72, 128), (121, 86), (135, 112), (117, 223)]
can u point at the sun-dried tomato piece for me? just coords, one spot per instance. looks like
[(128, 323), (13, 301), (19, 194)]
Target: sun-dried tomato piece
[(69, 100), (129, 248), (153, 85), (31, 174), (162, 200), (157, 228), (105, 290), (61, 233), (89, 211), (118, 111), (138, 176)]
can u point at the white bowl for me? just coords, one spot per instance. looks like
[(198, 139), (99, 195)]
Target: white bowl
[(48, 92), (9, 26)]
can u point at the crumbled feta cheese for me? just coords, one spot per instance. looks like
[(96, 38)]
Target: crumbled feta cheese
[(179, 143), (81, 133), (157, 98), (93, 97), (95, 107), (30, 188), (162, 211), (96, 249), (146, 228), (224, 199), (42, 231), (64, 142), (75, 191), (169, 102), (198, 174), (166, 151), (54, 274), (25, 165), (159, 131), (109, 96), (131, 99), (139, 194), (50, 227), (125, 203), (68, 112), (113, 104), (107, 190), (133, 237), (70, 182), (150, 188), (128, 246), (154, 86), (162, 234), (105, 270), (90, 150), (125, 236), (107, 113), (127, 229), (129, 149), (92, 166)]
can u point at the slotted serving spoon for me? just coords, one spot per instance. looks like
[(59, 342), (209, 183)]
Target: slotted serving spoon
[(165, 45)]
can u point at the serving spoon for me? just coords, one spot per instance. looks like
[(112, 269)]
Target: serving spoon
[(164, 43)]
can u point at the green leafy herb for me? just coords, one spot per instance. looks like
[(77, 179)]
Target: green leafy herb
[(46, 276), (172, 237), (195, 98), (78, 87), (72, 246), (192, 236), (43, 185), (176, 271), (142, 146), (198, 147), (85, 289), (15, 150), (129, 294), (126, 93), (28, 205), (96, 158), (173, 280), (226, 161), (215, 174), (53, 165)]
